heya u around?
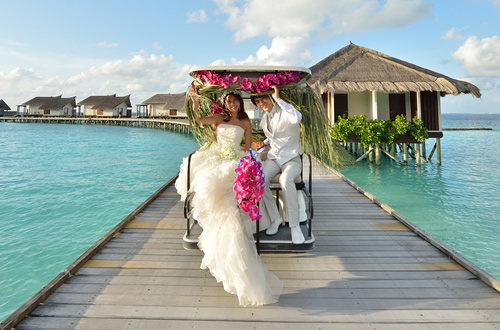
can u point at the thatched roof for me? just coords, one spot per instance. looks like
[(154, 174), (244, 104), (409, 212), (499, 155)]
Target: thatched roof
[(106, 101), (51, 102), (171, 101), (357, 69), (3, 105)]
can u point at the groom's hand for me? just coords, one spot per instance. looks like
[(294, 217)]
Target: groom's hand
[(276, 93)]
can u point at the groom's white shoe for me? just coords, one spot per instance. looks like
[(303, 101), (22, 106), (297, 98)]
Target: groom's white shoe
[(273, 228), (297, 236)]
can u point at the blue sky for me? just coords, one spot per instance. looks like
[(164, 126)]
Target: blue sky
[(82, 48)]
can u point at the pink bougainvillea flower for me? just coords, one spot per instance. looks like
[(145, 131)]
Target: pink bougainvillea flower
[(245, 84), (254, 213), (262, 83), (216, 108)]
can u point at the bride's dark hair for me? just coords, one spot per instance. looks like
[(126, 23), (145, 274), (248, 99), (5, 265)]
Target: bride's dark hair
[(242, 115)]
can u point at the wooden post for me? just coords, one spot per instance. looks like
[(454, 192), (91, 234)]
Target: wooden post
[(405, 153), (368, 152), (438, 150), (377, 154), (432, 151), (370, 155), (392, 157), (417, 153)]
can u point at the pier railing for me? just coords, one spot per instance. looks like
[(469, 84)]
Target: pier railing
[(179, 125)]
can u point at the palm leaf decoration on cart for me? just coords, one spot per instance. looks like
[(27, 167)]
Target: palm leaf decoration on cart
[(315, 127)]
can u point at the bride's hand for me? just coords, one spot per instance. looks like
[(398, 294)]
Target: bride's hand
[(257, 145), (194, 95)]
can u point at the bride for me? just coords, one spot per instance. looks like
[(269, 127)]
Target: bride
[(226, 240)]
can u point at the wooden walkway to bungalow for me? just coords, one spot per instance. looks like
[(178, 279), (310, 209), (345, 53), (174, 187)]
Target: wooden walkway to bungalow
[(366, 271), (172, 124)]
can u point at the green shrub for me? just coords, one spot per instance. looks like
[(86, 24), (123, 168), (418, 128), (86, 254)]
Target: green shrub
[(370, 132), (418, 131)]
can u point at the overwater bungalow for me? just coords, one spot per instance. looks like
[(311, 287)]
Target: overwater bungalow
[(106, 106), (359, 81), (162, 105), (3, 107), (51, 106)]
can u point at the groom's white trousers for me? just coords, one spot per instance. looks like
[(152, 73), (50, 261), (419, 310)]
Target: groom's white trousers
[(289, 171)]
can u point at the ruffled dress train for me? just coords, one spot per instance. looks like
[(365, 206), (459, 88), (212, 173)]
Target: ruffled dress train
[(227, 238)]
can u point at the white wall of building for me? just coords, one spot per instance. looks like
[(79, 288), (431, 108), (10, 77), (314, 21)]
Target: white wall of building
[(359, 104)]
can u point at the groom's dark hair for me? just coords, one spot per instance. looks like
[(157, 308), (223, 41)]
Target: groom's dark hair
[(253, 98)]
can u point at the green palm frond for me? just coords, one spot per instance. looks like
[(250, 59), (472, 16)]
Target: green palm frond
[(315, 126), (202, 134)]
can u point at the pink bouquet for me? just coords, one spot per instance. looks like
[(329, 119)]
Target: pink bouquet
[(249, 184)]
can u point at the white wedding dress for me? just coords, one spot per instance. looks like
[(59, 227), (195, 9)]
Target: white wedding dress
[(227, 241)]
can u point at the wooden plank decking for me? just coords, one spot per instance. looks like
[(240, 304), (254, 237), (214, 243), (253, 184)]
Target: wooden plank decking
[(366, 271)]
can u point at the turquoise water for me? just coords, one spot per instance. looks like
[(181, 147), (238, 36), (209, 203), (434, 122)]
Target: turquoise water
[(62, 187), (458, 202)]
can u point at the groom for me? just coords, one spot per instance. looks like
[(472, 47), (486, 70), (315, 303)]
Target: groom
[(280, 123)]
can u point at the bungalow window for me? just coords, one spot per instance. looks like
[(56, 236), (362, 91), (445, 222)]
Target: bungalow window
[(66, 111)]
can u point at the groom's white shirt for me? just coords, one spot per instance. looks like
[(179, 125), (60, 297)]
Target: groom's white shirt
[(282, 132)]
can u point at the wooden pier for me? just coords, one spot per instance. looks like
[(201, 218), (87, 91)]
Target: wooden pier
[(177, 125), (368, 270)]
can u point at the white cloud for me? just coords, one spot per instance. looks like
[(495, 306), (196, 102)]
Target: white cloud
[(290, 50), (105, 44), (273, 18), (279, 18), (142, 75), (394, 14), (198, 16), (495, 3), (16, 80), (480, 58), (156, 46), (295, 24), (454, 34), (15, 43)]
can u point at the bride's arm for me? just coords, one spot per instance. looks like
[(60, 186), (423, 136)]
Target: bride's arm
[(248, 134), (211, 120)]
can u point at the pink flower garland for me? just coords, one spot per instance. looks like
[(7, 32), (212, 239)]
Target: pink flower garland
[(262, 84), (216, 108), (249, 184)]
